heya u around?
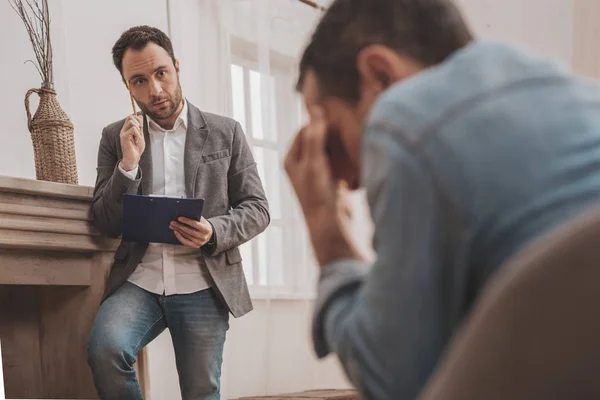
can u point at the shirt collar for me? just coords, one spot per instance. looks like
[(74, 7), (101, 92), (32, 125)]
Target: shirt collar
[(182, 119)]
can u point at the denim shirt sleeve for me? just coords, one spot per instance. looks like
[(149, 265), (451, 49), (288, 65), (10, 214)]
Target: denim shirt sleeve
[(384, 321)]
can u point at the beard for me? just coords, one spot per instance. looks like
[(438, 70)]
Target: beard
[(169, 105)]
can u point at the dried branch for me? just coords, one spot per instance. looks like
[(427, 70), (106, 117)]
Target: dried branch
[(313, 4), (35, 65), (36, 18)]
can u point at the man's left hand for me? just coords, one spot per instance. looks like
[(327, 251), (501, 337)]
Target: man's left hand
[(192, 233), (322, 201)]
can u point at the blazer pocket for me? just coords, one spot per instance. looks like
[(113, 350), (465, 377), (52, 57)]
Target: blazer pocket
[(233, 256), (215, 156)]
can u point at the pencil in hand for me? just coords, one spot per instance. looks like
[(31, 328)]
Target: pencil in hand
[(137, 137), (131, 98)]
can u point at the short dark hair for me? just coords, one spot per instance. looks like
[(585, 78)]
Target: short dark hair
[(137, 38), (427, 31)]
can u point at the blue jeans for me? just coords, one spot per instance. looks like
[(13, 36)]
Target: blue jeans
[(132, 317)]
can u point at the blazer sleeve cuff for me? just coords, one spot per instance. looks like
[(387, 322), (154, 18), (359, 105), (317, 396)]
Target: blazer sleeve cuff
[(122, 184), (219, 245)]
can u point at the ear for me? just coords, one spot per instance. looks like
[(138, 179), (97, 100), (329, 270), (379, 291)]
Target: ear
[(177, 66), (380, 67)]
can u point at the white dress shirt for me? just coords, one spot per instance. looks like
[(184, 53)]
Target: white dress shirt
[(166, 268)]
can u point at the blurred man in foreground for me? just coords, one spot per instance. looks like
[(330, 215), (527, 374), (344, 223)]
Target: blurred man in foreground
[(468, 151)]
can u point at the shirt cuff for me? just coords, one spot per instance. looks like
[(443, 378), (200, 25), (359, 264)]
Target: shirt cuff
[(337, 279), (130, 174)]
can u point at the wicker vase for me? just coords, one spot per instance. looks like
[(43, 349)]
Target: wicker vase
[(52, 137)]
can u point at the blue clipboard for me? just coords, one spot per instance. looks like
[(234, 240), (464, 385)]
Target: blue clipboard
[(146, 219)]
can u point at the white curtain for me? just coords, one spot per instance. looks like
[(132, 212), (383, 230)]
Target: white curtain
[(239, 58)]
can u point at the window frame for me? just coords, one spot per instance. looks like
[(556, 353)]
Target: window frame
[(297, 273)]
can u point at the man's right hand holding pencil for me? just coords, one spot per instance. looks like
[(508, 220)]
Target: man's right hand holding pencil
[(132, 142)]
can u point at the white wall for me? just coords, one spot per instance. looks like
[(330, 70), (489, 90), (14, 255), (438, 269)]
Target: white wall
[(542, 26), (269, 350)]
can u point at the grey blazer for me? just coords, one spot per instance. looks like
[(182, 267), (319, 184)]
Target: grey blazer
[(219, 167)]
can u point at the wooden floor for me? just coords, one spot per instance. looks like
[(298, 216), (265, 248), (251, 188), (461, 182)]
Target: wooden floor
[(311, 395)]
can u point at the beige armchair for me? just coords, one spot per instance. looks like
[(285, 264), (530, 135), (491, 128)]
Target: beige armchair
[(535, 331)]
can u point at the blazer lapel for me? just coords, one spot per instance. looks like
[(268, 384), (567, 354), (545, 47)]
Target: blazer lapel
[(146, 162), (195, 139)]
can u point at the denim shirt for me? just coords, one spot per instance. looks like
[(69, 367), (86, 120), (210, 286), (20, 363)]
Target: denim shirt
[(464, 165)]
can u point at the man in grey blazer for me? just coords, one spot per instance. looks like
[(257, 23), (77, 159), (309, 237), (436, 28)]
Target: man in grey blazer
[(172, 149)]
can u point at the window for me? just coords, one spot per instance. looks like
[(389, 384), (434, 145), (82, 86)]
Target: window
[(269, 111)]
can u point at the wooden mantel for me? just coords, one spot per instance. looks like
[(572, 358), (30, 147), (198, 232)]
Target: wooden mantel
[(53, 269)]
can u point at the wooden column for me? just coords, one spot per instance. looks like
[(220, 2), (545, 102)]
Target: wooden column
[(53, 269), (586, 38)]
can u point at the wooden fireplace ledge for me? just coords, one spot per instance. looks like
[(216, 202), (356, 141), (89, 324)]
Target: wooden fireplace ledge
[(61, 211), (53, 220)]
